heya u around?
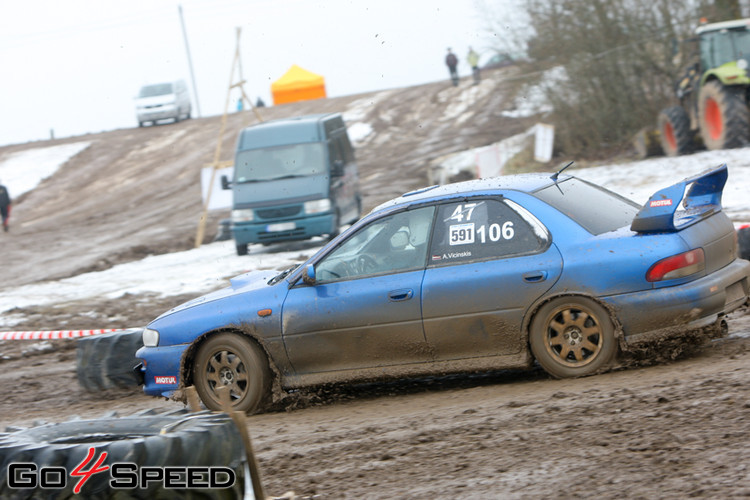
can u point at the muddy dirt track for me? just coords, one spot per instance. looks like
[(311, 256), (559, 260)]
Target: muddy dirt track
[(673, 428), (676, 427)]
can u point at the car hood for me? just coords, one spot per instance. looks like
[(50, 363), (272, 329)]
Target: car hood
[(243, 283)]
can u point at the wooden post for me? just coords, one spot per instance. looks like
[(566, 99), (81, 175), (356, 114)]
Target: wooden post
[(216, 164), (241, 422)]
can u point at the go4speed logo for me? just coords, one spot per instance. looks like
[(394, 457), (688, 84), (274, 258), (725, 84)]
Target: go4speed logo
[(120, 475), (467, 233)]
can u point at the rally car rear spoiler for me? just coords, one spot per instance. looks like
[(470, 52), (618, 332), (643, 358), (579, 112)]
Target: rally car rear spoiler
[(700, 196)]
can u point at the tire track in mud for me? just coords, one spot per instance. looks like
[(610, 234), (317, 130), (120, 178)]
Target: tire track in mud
[(667, 430)]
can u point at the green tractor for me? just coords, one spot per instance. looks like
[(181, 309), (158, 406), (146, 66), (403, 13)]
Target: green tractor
[(713, 92)]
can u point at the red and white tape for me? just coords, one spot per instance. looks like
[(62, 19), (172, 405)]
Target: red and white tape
[(55, 334)]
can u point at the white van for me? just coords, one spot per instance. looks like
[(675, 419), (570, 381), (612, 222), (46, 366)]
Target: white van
[(163, 101)]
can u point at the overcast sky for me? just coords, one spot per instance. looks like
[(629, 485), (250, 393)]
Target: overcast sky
[(74, 66)]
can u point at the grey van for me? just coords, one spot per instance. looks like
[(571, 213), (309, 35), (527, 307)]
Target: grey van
[(163, 101), (294, 178)]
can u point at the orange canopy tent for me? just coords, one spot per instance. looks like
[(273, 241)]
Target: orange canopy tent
[(298, 84)]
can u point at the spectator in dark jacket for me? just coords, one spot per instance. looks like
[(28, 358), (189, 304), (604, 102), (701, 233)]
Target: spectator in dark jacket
[(4, 206), (452, 61)]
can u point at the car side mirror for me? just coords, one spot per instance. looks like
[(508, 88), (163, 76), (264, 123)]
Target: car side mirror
[(308, 275), (225, 184)]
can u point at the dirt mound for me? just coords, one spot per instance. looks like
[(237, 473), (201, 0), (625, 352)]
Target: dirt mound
[(135, 192)]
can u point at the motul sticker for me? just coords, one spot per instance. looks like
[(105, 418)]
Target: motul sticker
[(660, 203), (164, 380)]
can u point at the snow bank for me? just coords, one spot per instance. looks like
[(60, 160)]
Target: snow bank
[(23, 171)]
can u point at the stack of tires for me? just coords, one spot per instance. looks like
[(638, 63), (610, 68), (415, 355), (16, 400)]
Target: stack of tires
[(49, 461)]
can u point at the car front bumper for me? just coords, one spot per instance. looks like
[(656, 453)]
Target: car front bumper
[(159, 113), (668, 311), (296, 229), (160, 368)]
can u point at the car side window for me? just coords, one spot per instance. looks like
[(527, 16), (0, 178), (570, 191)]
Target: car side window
[(391, 244), (482, 229)]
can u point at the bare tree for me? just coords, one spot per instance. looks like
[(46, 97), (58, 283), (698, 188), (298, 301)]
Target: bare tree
[(620, 62)]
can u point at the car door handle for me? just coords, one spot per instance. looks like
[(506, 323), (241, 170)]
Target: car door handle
[(397, 295), (535, 276)]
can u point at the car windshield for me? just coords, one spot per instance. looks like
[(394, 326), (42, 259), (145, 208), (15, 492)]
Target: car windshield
[(281, 162), (596, 209), (154, 90)]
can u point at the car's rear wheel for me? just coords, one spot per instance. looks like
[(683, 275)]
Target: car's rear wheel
[(573, 337), (234, 361)]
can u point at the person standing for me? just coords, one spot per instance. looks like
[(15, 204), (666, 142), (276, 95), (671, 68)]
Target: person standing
[(452, 61), (473, 59), (4, 206)]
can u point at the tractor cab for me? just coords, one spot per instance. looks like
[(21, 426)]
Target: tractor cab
[(725, 51)]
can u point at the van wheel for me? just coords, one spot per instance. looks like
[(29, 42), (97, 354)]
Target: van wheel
[(242, 249)]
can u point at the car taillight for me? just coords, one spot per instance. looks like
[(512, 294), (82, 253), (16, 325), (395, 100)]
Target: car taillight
[(677, 266)]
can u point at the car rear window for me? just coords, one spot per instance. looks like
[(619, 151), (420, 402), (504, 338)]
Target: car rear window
[(596, 209)]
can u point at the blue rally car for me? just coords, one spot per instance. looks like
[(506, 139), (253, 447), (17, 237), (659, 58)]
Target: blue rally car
[(480, 275)]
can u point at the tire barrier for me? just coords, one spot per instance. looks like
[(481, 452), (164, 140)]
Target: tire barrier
[(169, 450), (106, 361), (743, 242)]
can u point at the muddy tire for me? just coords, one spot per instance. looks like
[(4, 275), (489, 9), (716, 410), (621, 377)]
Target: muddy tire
[(723, 116), (232, 360), (176, 439), (674, 131), (743, 242), (573, 337), (106, 361)]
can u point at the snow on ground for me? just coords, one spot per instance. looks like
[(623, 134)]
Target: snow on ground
[(194, 271), (209, 267), (22, 171), (639, 180)]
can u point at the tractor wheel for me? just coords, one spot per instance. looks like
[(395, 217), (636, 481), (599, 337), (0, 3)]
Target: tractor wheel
[(674, 131), (723, 115)]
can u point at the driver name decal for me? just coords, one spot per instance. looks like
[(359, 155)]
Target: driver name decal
[(451, 255)]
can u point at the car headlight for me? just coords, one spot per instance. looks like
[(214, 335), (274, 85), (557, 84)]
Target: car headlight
[(243, 215), (742, 64), (317, 206), (150, 337)]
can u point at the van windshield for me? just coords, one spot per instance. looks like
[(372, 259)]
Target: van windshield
[(281, 162), (157, 89)]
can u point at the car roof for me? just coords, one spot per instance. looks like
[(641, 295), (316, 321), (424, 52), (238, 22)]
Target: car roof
[(527, 183)]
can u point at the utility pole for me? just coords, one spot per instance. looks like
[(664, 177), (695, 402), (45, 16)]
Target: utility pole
[(190, 61)]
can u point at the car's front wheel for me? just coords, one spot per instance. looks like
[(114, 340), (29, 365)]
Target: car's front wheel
[(573, 337), (234, 361)]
